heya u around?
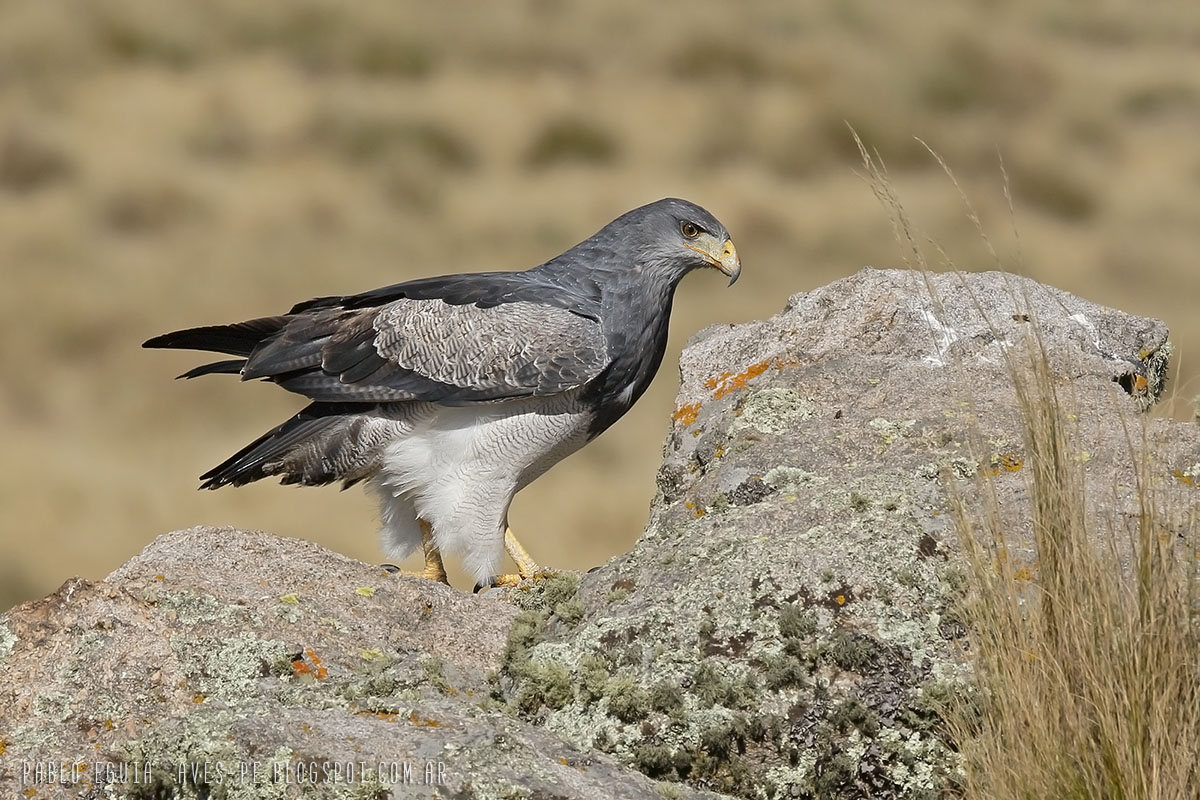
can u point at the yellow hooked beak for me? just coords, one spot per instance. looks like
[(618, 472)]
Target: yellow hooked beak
[(722, 255)]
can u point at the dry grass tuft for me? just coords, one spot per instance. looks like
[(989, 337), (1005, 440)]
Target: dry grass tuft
[(1088, 676), (1086, 653)]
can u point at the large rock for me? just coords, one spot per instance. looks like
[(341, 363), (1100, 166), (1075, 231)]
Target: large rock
[(787, 625), (791, 610), (217, 650)]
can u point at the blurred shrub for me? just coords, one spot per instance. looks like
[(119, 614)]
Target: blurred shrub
[(147, 208), (222, 134), (382, 56), (889, 135), (367, 138), (410, 186), (331, 37), (571, 140), (1051, 186), (719, 57), (28, 162), (1161, 98), (136, 33), (969, 72)]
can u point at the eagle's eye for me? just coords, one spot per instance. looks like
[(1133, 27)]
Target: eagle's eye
[(690, 229)]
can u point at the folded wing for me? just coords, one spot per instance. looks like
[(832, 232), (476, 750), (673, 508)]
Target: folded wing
[(410, 349)]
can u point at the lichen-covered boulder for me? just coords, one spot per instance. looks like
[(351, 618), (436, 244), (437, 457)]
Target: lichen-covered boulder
[(225, 663), (788, 626)]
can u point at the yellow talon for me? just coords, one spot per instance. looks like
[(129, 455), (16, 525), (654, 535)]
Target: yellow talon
[(434, 569), (526, 567)]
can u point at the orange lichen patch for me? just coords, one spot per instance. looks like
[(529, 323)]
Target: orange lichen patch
[(840, 599), (424, 722), (3, 746), (1184, 478), (1139, 384), (727, 382), (696, 510), (686, 415), (198, 697), (1019, 569), (1011, 462), (387, 716), (317, 670)]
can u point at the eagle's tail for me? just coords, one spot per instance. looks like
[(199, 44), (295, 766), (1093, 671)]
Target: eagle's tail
[(238, 339), (325, 442)]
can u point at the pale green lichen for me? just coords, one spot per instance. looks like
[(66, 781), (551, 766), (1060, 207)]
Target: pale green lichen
[(202, 740), (691, 715), (790, 480), (53, 706), (193, 608), (772, 411), (890, 431), (8, 641), (617, 595), (435, 673), (226, 667), (627, 700)]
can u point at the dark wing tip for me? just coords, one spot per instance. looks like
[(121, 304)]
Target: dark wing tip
[(229, 367)]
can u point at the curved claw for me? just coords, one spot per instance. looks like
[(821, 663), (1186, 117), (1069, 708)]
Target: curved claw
[(434, 569), (526, 566)]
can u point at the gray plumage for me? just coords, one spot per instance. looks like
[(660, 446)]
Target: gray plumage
[(450, 394)]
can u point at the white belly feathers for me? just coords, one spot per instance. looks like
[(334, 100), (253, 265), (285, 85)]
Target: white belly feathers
[(459, 467)]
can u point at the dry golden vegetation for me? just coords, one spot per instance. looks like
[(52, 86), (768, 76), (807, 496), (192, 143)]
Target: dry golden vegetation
[(1084, 621), (172, 164), (1086, 653)]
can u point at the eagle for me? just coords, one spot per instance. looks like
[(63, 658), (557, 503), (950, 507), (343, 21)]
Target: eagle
[(448, 395)]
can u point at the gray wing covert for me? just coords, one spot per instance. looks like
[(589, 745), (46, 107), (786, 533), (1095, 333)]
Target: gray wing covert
[(521, 347), (431, 350)]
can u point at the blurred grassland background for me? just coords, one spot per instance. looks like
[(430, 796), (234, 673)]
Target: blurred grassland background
[(165, 165)]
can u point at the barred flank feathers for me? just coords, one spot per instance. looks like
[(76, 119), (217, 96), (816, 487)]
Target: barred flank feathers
[(293, 450)]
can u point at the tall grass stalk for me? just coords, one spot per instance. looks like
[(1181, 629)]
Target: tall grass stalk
[(1088, 668), (1087, 660)]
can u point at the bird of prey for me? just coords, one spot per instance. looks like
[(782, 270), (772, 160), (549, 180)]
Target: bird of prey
[(448, 395)]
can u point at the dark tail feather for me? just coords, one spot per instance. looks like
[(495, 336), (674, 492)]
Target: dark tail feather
[(231, 367), (238, 339), (299, 450)]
